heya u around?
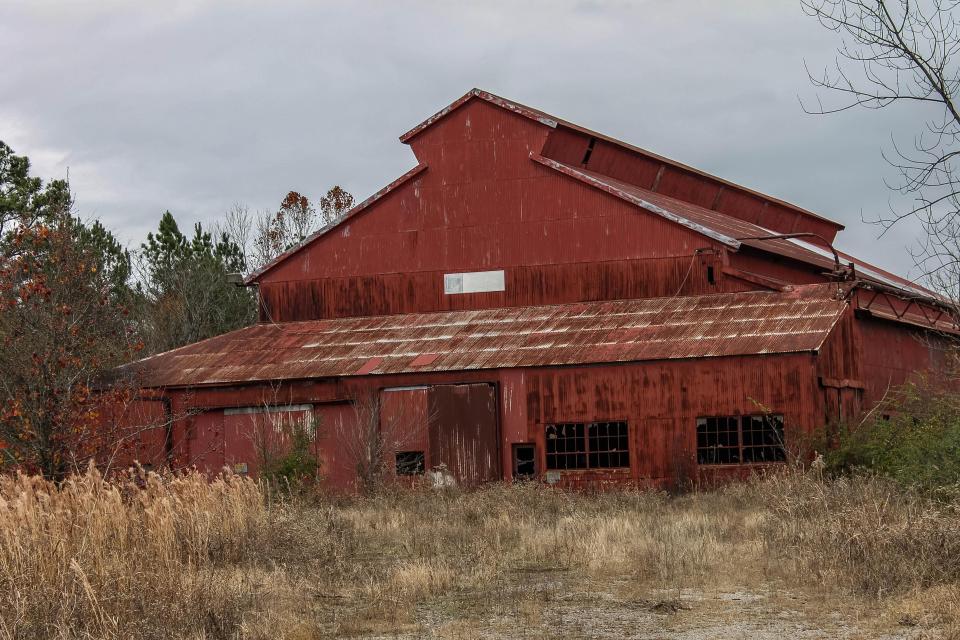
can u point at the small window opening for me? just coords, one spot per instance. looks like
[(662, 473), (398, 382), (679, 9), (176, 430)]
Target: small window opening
[(710, 276), (589, 151), (524, 461), (594, 445), (740, 440), (410, 463)]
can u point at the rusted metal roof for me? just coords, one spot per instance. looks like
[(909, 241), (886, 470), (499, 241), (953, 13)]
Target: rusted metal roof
[(570, 334), (554, 122)]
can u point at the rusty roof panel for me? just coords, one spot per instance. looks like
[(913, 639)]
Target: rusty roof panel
[(595, 332)]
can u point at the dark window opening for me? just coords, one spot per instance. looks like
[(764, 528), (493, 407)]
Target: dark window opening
[(594, 445), (589, 151), (711, 278), (740, 440), (718, 441), (524, 461), (410, 463), (763, 439)]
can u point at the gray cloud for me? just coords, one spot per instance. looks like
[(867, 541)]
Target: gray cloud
[(193, 106)]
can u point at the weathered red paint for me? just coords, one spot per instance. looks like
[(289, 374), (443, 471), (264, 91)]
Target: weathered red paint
[(632, 291), (463, 431)]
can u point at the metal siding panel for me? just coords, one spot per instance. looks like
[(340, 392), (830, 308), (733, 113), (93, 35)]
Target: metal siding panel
[(463, 432)]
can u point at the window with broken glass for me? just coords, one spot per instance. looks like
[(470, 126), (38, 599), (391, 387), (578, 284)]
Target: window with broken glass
[(754, 439), (409, 463), (587, 445)]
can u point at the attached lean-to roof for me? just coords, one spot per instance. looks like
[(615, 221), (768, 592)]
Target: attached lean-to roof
[(731, 231), (571, 334)]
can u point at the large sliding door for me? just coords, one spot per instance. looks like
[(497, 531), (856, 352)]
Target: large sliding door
[(450, 428)]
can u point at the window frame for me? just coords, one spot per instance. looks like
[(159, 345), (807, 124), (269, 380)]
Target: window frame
[(516, 462), (584, 451), (418, 468), (741, 447)]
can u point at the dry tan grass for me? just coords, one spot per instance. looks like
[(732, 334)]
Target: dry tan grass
[(182, 557), (101, 559)]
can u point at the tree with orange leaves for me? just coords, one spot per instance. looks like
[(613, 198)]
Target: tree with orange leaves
[(64, 300), (295, 220)]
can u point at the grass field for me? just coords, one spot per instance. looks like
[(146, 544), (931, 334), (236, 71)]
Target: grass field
[(787, 556)]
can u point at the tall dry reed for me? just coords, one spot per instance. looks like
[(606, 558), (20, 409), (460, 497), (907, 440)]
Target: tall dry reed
[(144, 557), (184, 557), (864, 534)]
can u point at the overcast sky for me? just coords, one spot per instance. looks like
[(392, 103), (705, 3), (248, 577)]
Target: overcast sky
[(193, 106)]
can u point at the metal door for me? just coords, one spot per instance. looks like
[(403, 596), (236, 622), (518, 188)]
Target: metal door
[(464, 432)]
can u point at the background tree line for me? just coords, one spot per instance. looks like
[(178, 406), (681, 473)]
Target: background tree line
[(75, 304)]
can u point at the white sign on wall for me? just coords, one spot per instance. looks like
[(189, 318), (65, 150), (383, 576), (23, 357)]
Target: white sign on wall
[(473, 282)]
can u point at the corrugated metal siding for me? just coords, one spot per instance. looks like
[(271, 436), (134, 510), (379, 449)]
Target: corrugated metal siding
[(698, 215), (337, 465), (568, 143), (143, 425), (616, 331), (525, 286), (463, 432), (482, 204), (661, 402), (894, 354)]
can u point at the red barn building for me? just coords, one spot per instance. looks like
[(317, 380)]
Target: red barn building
[(536, 299)]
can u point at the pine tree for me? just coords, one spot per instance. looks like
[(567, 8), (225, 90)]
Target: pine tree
[(185, 289)]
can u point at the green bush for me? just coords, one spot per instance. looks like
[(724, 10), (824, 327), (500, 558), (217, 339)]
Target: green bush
[(912, 437), (295, 466)]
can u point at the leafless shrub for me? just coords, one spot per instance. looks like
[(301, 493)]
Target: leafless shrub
[(899, 53), (374, 437)]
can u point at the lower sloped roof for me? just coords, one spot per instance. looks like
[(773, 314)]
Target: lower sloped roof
[(569, 334)]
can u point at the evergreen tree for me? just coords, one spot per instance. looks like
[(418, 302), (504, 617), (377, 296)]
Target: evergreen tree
[(185, 289)]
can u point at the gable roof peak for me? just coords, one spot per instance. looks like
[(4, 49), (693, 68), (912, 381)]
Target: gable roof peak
[(554, 122), (523, 110)]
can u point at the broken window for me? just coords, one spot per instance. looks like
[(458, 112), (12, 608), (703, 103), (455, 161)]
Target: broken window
[(718, 441), (594, 445), (763, 439), (740, 439), (410, 463), (524, 461)]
